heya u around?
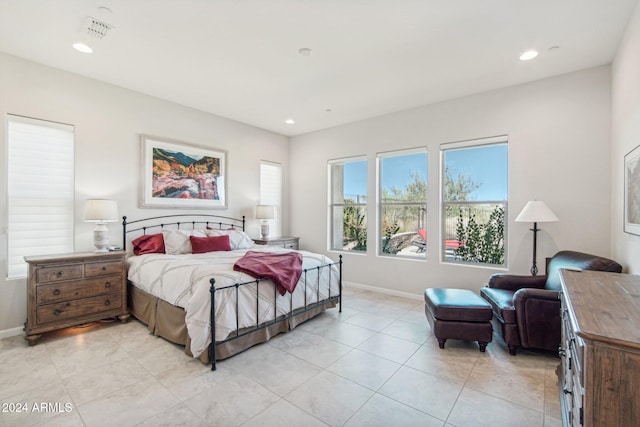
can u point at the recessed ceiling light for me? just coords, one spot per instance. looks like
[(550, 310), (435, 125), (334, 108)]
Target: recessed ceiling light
[(530, 54), (305, 51), (82, 47), (290, 122)]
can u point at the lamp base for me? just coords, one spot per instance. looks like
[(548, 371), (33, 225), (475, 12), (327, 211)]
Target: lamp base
[(534, 267), (264, 229), (101, 237)]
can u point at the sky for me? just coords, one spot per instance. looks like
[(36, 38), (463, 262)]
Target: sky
[(486, 166)]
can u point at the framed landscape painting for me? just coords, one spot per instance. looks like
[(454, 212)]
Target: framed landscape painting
[(632, 191), (180, 175)]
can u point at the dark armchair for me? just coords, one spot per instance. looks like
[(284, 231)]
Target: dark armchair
[(526, 309)]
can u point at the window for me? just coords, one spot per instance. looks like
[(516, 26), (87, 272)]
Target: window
[(348, 204), (474, 201), (271, 193), (40, 190), (403, 203)]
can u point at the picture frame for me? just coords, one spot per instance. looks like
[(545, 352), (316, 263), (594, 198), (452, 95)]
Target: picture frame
[(632, 192), (179, 175)]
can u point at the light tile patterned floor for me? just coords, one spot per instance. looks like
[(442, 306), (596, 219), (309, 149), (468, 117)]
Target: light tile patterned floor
[(375, 364)]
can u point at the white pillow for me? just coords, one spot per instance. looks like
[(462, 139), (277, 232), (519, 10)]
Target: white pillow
[(177, 241), (237, 239)]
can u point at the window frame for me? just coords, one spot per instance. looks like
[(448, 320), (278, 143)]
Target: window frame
[(270, 195), (466, 144), (380, 205), (66, 202), (331, 226)]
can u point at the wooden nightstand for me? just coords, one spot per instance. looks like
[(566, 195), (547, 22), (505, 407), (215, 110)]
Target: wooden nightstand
[(286, 242), (72, 289)]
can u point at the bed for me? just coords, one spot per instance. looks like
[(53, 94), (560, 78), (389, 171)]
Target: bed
[(182, 284)]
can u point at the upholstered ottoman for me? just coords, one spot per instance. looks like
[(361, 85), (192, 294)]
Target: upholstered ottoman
[(458, 314)]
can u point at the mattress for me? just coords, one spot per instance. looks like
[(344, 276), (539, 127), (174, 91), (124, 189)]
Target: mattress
[(184, 281)]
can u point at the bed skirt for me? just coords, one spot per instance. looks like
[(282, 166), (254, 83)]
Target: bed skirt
[(168, 321)]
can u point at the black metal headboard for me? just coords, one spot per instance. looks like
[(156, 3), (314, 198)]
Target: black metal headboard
[(181, 220)]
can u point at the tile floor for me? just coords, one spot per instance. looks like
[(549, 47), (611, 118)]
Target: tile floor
[(375, 364)]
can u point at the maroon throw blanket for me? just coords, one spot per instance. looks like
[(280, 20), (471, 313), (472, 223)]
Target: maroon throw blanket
[(284, 269)]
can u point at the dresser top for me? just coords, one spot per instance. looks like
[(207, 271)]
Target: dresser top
[(274, 238), (604, 306), (76, 256)]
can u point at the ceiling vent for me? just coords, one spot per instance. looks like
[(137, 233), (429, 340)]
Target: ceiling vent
[(96, 28)]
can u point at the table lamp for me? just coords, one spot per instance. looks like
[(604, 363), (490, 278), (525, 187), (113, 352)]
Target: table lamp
[(265, 213), (101, 212)]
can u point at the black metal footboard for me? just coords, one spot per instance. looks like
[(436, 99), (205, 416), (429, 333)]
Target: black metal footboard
[(331, 299)]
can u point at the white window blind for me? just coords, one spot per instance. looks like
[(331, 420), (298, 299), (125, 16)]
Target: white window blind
[(40, 190), (271, 193)]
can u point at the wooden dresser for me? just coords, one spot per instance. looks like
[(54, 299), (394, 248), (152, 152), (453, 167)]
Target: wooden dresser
[(72, 289), (286, 242), (600, 349)]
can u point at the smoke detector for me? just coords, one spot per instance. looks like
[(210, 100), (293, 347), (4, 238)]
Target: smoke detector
[(96, 28)]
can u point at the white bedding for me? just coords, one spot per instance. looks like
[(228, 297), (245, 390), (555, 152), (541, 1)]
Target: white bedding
[(183, 280)]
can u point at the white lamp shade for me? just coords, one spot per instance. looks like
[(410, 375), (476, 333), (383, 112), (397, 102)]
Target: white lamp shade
[(536, 211), (265, 212), (100, 210)]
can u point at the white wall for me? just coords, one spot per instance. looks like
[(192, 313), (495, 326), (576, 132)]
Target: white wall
[(559, 152), (625, 136), (108, 121)]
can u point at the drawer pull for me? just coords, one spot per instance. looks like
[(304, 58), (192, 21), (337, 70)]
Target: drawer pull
[(107, 284), (57, 312), (56, 292), (104, 268), (107, 303), (60, 273)]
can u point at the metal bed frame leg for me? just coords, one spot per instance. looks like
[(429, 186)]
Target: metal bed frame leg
[(339, 283), (212, 347)]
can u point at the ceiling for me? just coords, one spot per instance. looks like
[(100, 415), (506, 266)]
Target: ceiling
[(240, 59)]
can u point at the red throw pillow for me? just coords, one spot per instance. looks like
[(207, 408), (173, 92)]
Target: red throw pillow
[(201, 245), (148, 244)]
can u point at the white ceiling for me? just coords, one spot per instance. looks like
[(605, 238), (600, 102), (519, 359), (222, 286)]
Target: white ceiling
[(239, 58)]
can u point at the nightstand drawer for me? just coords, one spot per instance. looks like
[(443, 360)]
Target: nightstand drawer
[(76, 308), (290, 244), (59, 272), (102, 268), (73, 290)]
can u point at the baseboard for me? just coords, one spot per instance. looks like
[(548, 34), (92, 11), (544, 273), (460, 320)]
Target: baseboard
[(13, 332), (383, 291)]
